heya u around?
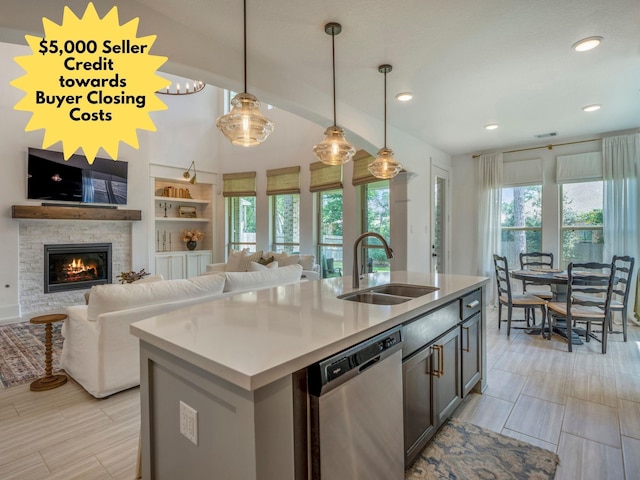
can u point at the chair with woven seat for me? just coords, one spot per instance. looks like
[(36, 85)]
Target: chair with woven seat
[(507, 298), (589, 293)]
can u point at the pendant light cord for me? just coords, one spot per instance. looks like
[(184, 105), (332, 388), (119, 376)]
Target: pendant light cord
[(333, 60), (385, 109), (244, 15)]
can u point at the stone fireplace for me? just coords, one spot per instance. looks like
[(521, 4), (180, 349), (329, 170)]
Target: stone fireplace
[(76, 266), (35, 234)]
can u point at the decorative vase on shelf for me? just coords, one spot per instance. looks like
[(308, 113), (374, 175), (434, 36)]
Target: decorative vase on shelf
[(191, 245)]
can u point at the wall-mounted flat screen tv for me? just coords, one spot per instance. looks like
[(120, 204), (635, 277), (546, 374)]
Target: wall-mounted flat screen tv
[(51, 178)]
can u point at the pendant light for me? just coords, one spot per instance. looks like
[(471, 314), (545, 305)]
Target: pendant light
[(334, 149), (385, 166), (245, 125)]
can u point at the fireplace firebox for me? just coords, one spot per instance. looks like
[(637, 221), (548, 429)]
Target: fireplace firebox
[(76, 266)]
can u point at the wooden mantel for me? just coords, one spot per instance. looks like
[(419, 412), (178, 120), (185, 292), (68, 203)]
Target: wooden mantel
[(51, 212)]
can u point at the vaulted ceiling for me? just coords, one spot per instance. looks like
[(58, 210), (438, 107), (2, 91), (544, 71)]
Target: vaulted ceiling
[(468, 63)]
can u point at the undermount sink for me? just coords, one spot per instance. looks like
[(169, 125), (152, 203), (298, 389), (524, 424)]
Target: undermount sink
[(404, 290), (388, 294)]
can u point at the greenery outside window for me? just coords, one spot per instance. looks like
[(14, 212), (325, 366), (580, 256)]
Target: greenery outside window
[(286, 222), (376, 217), (329, 230), (241, 223), (581, 233), (521, 221)]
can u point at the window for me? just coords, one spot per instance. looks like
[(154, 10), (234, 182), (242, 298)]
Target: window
[(520, 221), (242, 222), (240, 191), (581, 232), (376, 217), (286, 222), (330, 232)]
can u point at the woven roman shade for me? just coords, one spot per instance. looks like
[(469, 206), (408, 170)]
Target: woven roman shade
[(241, 184), (282, 181), (325, 177), (361, 174)]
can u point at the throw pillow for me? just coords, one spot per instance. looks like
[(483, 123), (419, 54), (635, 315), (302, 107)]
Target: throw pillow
[(240, 261), (265, 261), (256, 267), (284, 259), (307, 261)]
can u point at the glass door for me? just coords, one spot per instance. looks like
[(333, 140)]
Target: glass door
[(439, 220)]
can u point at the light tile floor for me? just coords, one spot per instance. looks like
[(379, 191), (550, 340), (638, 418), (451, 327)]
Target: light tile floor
[(583, 405)]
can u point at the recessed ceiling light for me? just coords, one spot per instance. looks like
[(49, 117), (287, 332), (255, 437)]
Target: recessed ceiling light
[(591, 108), (587, 44), (491, 126), (404, 96)]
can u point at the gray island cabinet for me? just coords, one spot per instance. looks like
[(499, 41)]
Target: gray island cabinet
[(224, 385)]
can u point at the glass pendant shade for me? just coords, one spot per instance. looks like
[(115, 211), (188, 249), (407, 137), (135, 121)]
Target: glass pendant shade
[(334, 149), (385, 166), (245, 125)]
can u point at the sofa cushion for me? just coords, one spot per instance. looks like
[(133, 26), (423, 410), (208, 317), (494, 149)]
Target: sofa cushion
[(244, 281), (150, 279), (239, 261), (112, 297)]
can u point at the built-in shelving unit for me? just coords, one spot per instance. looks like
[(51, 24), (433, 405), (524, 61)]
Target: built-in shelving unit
[(178, 206)]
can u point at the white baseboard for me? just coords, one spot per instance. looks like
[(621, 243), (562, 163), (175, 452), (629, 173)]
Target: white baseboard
[(9, 314)]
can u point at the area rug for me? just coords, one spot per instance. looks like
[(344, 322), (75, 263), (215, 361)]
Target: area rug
[(462, 451), (22, 352)]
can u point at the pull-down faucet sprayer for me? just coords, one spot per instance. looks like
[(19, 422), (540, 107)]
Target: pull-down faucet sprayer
[(387, 251)]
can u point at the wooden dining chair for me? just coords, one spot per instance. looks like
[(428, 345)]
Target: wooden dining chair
[(510, 300), (536, 260), (589, 293), (621, 288)]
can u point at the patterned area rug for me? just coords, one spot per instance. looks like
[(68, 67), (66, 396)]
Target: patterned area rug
[(462, 451), (22, 352)]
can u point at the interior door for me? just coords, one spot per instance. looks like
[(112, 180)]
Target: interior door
[(439, 220)]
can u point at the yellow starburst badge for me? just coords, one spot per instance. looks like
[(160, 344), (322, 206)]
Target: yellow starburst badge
[(90, 83)]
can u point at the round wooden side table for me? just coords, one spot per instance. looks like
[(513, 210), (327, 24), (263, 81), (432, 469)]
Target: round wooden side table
[(49, 381)]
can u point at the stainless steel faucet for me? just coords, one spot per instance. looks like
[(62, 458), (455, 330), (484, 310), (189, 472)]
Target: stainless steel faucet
[(387, 251)]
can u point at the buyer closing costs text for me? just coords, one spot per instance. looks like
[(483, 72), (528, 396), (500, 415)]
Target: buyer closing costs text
[(104, 90)]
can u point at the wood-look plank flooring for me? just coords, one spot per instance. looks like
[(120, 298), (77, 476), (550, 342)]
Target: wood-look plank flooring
[(583, 405)]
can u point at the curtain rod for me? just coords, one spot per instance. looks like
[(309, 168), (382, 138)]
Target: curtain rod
[(550, 146)]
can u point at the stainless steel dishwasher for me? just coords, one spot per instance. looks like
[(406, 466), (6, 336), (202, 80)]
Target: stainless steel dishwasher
[(357, 412)]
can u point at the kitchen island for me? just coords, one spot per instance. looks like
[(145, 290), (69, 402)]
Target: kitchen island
[(241, 363)]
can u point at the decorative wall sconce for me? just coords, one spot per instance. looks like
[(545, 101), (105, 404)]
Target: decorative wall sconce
[(187, 174)]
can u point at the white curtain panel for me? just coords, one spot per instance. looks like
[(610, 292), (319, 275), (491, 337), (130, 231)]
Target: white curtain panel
[(489, 219), (621, 172)]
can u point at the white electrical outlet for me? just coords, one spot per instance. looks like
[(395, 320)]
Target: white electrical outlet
[(189, 422)]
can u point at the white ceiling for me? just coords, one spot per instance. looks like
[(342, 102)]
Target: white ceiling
[(468, 62)]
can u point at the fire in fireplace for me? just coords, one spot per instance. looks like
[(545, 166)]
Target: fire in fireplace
[(76, 266)]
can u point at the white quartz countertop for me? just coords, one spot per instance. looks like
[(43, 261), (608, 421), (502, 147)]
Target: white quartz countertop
[(254, 338)]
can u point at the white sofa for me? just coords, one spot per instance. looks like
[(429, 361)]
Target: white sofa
[(245, 261), (100, 353)]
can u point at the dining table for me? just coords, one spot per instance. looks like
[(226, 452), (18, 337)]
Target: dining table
[(558, 280)]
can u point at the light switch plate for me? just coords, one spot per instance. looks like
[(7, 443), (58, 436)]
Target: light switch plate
[(189, 422)]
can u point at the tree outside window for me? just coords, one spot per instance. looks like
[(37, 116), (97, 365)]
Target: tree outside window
[(330, 256), (286, 222), (376, 218), (521, 221), (582, 232), (242, 222)]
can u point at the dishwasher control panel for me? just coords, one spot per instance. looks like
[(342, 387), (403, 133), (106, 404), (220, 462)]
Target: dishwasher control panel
[(328, 373)]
